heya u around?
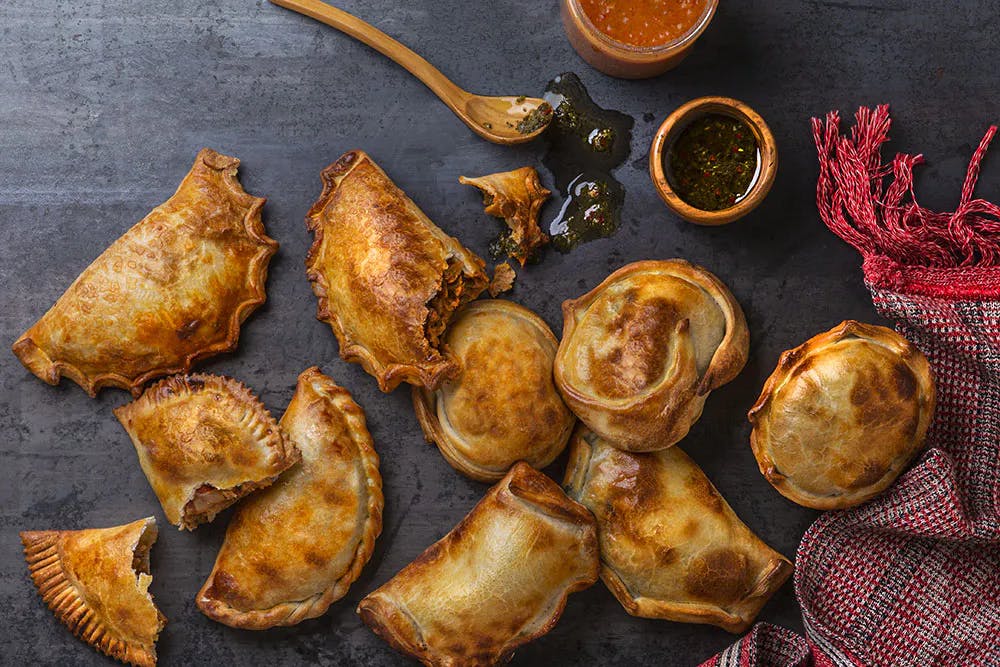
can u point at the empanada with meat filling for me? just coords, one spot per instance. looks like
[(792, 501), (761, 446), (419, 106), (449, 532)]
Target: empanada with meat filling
[(498, 580), (204, 442), (387, 278), (173, 289), (96, 582), (503, 407), (842, 415), (642, 350), (671, 547), (294, 548)]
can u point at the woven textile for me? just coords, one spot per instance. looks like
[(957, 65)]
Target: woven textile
[(913, 576)]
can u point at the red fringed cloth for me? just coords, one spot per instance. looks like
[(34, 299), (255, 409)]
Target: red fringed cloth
[(913, 576)]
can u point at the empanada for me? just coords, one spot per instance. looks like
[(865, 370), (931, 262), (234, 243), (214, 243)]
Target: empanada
[(294, 548), (503, 407), (173, 289), (671, 547), (96, 582), (204, 442), (842, 415), (495, 582), (386, 277), (642, 350), (517, 197)]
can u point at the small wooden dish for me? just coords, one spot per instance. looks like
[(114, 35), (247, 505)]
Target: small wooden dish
[(624, 60), (680, 119)]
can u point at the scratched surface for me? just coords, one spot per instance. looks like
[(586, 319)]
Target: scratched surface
[(103, 106)]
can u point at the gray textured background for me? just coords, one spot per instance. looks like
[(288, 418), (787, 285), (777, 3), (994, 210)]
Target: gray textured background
[(103, 106)]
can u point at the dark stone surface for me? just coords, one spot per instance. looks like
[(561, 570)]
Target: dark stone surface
[(103, 106)]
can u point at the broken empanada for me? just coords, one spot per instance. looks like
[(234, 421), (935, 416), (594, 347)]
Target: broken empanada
[(842, 415), (517, 197), (671, 547), (204, 442), (495, 582), (386, 277), (96, 582), (173, 289), (503, 407), (295, 548), (642, 350)]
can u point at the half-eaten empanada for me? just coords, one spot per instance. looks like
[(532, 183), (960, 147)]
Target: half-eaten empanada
[(386, 277), (642, 350), (495, 582), (204, 442), (517, 197), (96, 582), (173, 289), (294, 548), (671, 547), (503, 407)]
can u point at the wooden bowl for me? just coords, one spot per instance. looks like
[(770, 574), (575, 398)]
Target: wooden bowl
[(624, 60), (680, 119)]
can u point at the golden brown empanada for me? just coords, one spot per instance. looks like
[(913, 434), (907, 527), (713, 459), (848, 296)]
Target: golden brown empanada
[(517, 197), (96, 582), (642, 350), (671, 547), (174, 289), (842, 415), (204, 442), (387, 279), (295, 548), (495, 582), (503, 407)]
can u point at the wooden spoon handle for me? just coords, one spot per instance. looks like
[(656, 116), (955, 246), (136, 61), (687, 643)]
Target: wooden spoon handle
[(442, 86)]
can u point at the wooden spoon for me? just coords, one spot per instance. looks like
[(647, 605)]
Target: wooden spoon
[(493, 118)]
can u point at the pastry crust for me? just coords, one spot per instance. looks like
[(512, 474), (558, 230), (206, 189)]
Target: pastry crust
[(294, 548), (387, 279), (517, 197), (498, 580), (204, 442), (671, 547), (173, 289), (96, 582), (842, 415), (642, 350), (504, 407)]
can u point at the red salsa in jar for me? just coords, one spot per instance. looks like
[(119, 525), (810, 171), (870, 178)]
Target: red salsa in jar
[(644, 23)]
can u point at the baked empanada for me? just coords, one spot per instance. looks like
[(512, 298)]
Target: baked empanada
[(294, 548), (204, 442), (671, 547), (842, 415), (96, 582), (517, 197), (386, 277), (173, 289), (495, 582), (642, 350), (503, 407)]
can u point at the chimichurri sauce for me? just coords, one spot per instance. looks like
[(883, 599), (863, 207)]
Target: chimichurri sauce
[(585, 143), (713, 162)]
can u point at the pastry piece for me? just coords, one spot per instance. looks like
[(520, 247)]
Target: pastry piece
[(96, 582), (504, 407), (671, 547), (387, 279), (503, 279), (495, 582), (642, 350), (517, 197), (174, 289), (842, 415), (294, 548), (204, 442)]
